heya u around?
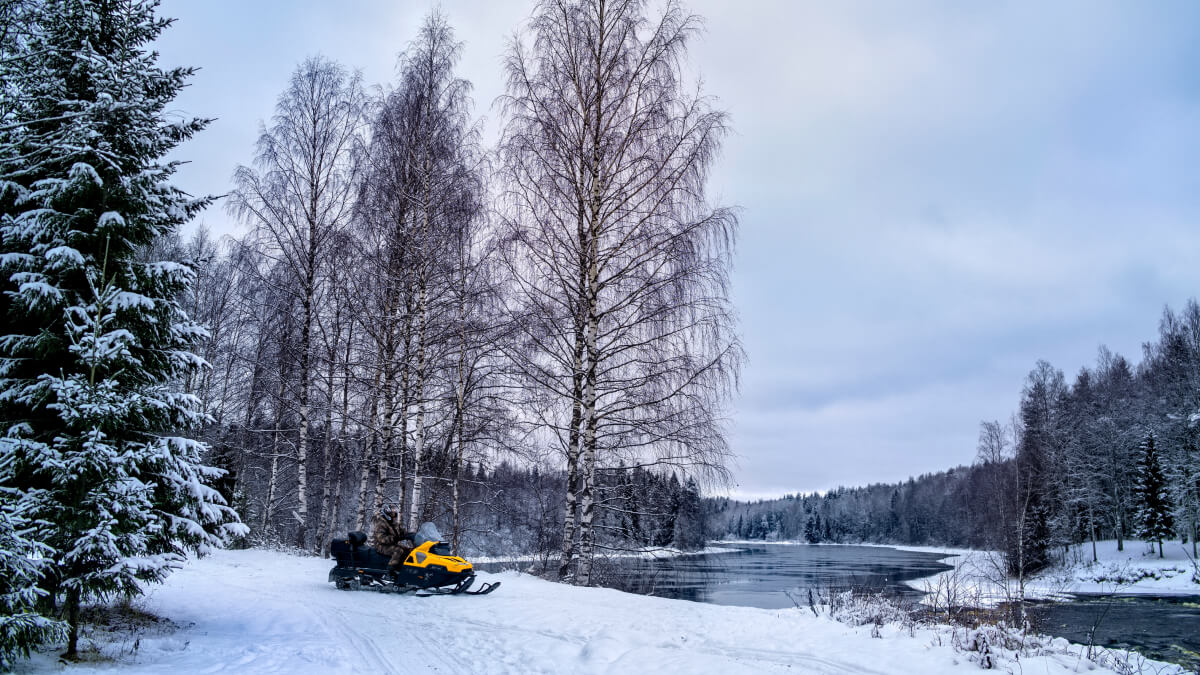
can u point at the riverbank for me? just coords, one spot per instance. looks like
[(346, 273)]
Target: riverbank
[(978, 577), (261, 611)]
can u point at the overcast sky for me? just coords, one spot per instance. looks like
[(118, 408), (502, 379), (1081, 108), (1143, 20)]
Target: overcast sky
[(934, 194)]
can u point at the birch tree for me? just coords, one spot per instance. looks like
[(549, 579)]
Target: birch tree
[(445, 187), (297, 199), (421, 189), (620, 264)]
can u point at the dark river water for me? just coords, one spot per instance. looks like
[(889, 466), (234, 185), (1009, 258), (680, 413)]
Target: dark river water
[(1166, 628), (762, 575)]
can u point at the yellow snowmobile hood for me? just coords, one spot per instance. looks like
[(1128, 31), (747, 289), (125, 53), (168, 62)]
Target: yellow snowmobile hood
[(422, 557)]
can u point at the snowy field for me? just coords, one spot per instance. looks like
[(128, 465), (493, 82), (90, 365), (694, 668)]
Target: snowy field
[(267, 612), (1136, 570)]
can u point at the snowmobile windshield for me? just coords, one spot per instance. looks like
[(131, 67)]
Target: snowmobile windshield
[(427, 532)]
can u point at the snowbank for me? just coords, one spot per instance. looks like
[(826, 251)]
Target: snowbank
[(266, 612), (1136, 570)]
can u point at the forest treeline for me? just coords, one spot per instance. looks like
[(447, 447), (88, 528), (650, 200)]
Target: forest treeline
[(410, 316), (1112, 454)]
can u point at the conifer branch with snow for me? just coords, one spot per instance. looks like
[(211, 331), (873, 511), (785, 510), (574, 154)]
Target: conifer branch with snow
[(96, 476)]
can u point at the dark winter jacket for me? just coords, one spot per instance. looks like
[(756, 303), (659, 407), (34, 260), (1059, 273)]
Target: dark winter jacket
[(389, 538)]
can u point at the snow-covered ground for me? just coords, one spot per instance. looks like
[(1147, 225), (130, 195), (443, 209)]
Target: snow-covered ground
[(1136, 570), (266, 612)]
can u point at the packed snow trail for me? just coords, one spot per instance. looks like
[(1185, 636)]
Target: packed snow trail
[(267, 612)]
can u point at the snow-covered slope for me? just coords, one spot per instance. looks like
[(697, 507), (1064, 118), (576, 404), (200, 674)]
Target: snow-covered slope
[(267, 612), (1136, 570)]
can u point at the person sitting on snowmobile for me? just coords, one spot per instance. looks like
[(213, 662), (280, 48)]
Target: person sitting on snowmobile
[(389, 538)]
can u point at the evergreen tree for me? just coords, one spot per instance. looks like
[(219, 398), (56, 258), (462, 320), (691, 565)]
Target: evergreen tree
[(1155, 522), (812, 529), (689, 519), (1036, 501), (97, 344)]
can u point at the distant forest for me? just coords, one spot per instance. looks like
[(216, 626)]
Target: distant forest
[(1115, 454)]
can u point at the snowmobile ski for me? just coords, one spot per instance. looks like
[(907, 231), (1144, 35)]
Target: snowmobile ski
[(460, 590)]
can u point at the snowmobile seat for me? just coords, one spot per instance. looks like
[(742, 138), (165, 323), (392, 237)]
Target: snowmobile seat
[(342, 552), (353, 552)]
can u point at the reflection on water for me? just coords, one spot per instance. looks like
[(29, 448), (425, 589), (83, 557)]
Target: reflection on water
[(759, 575)]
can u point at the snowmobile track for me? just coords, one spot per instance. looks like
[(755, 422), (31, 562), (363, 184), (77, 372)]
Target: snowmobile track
[(372, 656), (338, 621)]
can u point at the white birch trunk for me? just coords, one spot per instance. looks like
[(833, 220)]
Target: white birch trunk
[(365, 475), (273, 475), (414, 507), (302, 442), (387, 422), (461, 395)]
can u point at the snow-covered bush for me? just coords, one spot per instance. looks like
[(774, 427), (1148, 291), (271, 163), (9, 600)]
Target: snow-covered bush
[(1125, 575)]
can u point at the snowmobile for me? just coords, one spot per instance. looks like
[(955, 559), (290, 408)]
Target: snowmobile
[(429, 569)]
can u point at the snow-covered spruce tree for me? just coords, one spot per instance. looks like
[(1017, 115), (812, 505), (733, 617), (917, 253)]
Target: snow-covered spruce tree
[(1154, 504), (95, 342)]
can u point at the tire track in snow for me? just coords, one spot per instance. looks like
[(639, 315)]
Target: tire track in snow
[(745, 656), (337, 612), (364, 648), (349, 613)]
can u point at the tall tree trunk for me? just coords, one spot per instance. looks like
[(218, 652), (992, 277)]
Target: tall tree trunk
[(302, 442), (414, 507), (587, 473), (329, 449), (574, 436), (340, 451), (72, 623), (335, 508), (273, 476), (419, 442), (591, 290), (460, 401), (388, 425), (571, 517), (405, 400), (368, 445)]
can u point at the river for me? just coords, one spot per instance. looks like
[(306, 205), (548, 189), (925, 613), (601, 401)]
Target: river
[(771, 575), (763, 575)]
